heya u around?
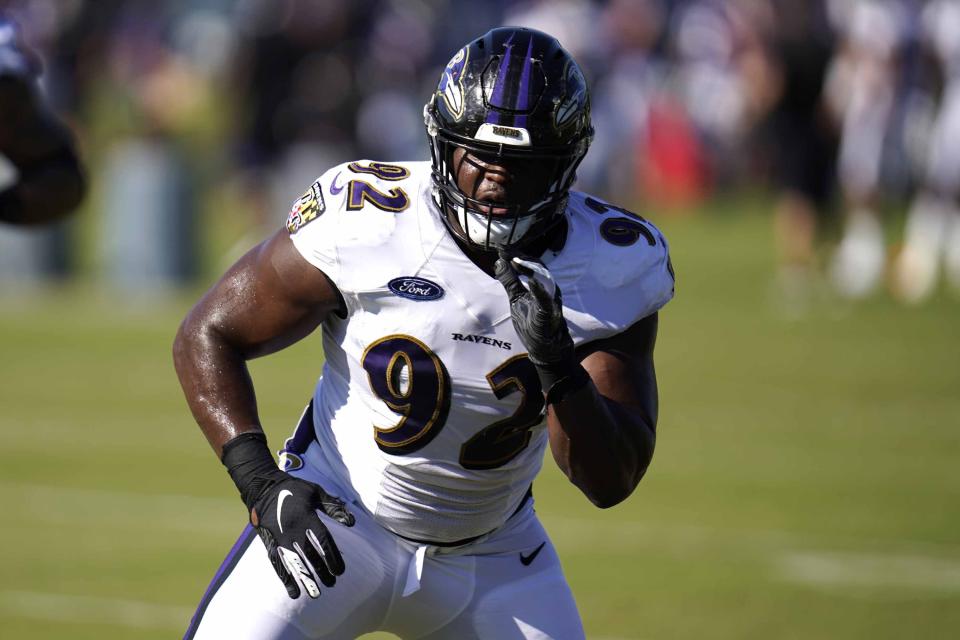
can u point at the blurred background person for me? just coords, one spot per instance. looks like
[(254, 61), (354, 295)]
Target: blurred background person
[(297, 92), (932, 232), (189, 110), (148, 223), (41, 178), (800, 136), (626, 70), (861, 93), (708, 42), (44, 181)]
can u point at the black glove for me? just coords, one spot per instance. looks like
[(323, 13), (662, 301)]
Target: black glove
[(538, 319), (285, 512)]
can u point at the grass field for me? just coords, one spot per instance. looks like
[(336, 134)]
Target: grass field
[(805, 485)]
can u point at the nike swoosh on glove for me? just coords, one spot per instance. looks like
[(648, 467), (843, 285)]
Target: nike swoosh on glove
[(299, 545)]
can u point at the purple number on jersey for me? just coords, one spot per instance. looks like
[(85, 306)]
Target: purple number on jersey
[(363, 192), (409, 377), (502, 441)]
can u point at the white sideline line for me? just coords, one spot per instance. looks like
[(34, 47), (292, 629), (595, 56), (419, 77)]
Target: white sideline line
[(90, 610), (870, 571)]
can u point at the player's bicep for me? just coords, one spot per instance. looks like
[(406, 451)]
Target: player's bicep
[(622, 368), (269, 299)]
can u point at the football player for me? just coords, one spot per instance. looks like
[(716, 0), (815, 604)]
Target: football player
[(45, 181), (473, 310)]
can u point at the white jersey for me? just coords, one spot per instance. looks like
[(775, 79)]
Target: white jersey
[(427, 405)]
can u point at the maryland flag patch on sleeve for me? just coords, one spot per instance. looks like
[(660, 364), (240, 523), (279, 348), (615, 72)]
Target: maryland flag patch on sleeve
[(306, 208)]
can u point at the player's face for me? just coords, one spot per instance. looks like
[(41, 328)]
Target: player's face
[(500, 181)]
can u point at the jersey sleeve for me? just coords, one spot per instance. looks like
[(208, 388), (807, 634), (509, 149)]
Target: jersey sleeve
[(313, 223), (622, 275), (345, 224), (643, 271)]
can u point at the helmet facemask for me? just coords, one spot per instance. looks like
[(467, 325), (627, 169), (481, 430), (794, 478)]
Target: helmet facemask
[(540, 182)]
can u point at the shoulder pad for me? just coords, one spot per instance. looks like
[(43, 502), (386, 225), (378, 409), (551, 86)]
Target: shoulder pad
[(345, 222), (623, 271)]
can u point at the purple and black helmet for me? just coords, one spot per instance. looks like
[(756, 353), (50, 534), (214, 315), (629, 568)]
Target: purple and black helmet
[(513, 93)]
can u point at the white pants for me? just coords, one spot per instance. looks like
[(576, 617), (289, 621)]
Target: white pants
[(480, 590)]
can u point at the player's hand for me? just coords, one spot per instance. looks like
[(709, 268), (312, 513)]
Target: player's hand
[(536, 308), (299, 545), (285, 511)]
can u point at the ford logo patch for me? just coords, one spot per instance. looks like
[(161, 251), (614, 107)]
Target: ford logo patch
[(415, 288)]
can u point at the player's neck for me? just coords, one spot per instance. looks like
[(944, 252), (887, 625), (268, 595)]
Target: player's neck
[(483, 259)]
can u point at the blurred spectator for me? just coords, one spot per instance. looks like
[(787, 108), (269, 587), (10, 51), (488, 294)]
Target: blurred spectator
[(49, 182), (799, 44), (149, 230), (388, 123), (297, 92), (709, 40), (861, 92), (626, 81), (41, 179), (932, 233), (175, 100)]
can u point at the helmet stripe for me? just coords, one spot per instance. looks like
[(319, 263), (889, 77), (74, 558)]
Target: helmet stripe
[(493, 117), (523, 97)]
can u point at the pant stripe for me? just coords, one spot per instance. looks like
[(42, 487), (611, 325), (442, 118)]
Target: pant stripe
[(246, 537)]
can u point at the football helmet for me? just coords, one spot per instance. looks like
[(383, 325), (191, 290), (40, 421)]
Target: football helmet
[(512, 97)]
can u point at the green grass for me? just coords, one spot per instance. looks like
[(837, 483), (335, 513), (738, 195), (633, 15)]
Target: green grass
[(805, 483)]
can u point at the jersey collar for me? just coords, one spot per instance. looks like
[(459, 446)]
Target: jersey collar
[(479, 294)]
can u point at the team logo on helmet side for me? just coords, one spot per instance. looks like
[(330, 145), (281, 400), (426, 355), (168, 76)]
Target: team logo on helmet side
[(571, 107), (451, 83)]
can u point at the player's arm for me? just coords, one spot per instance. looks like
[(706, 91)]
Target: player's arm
[(603, 430), (271, 298), (602, 401), (51, 181)]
